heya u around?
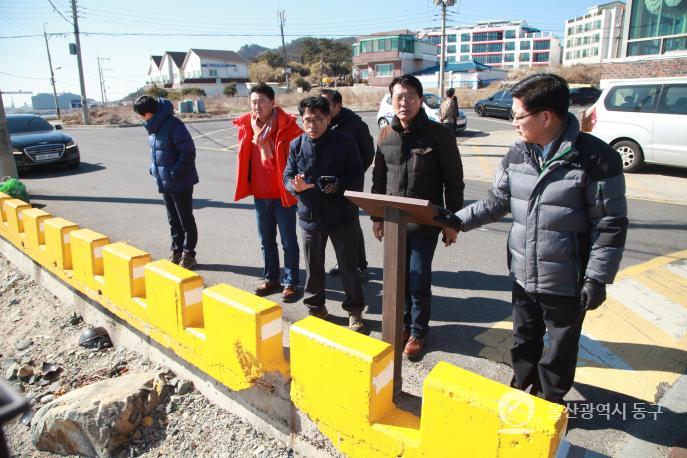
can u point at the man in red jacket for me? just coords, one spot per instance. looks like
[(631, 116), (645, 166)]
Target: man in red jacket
[(264, 137)]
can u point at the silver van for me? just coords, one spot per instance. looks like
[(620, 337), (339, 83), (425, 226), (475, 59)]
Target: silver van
[(645, 120)]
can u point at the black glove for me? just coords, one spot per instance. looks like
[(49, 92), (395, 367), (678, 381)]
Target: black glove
[(593, 294), (448, 219)]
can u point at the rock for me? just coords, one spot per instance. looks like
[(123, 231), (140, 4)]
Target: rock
[(183, 387), (14, 301), (25, 371), (23, 344), (147, 421), (95, 420), (258, 451), (11, 372), (47, 398)]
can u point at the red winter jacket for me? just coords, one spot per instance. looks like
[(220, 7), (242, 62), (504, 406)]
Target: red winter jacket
[(287, 130)]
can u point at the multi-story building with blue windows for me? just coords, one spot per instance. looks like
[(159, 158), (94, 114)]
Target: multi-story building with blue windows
[(501, 44), (596, 36)]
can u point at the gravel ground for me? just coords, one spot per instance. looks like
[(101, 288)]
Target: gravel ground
[(37, 328)]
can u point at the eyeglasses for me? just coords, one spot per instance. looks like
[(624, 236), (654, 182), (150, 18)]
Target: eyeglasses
[(406, 98), (518, 118)]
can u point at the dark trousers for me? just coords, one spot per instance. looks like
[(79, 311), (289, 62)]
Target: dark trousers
[(182, 224), (362, 256), (344, 241), (270, 215), (552, 372), (419, 256)]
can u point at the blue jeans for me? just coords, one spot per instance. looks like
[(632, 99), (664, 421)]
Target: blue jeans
[(270, 215), (419, 255)]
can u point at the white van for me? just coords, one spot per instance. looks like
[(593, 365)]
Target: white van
[(645, 120)]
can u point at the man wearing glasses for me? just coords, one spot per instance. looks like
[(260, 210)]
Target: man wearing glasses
[(323, 164), (565, 190), (417, 157)]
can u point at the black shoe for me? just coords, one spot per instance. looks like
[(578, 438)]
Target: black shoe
[(175, 257), (188, 261), (334, 271)]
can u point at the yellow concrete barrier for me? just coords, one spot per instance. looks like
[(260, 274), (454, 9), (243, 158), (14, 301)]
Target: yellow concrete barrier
[(87, 257), (125, 286), (467, 412), (58, 242), (3, 198), (175, 303), (244, 336), (34, 229), (12, 208)]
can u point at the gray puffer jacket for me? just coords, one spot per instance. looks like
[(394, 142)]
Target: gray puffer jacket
[(569, 215)]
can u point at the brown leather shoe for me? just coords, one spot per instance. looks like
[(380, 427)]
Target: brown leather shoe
[(267, 287), (413, 348), (289, 294), (404, 339)]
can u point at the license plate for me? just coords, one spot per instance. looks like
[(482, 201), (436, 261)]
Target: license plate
[(47, 157), (462, 123)]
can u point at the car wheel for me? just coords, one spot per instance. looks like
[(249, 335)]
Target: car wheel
[(479, 109), (511, 116), (73, 164), (383, 122), (631, 155)]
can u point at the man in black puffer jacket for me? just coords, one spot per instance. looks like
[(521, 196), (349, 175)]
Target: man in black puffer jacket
[(417, 157), (173, 166), (344, 120), (322, 165), (566, 192)]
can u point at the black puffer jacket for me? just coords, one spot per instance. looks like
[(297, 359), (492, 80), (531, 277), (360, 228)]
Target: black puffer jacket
[(422, 162), (353, 125), (333, 154)]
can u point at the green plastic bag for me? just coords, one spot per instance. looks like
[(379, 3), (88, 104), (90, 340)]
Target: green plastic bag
[(14, 188)]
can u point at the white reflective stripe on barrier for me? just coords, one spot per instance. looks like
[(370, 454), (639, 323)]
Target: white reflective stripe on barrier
[(270, 329), (193, 296)]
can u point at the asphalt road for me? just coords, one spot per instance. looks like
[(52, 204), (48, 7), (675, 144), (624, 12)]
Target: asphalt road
[(112, 193)]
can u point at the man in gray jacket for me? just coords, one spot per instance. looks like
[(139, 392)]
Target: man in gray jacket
[(566, 192)]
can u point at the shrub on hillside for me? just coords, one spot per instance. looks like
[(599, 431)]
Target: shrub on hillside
[(193, 91), (230, 90), (157, 92)]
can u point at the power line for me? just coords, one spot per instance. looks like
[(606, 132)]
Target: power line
[(59, 12), (21, 76)]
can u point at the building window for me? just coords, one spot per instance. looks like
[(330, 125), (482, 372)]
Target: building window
[(571, 30), (356, 50), (578, 28), (510, 33), (434, 39), (465, 37), (569, 43), (643, 48), (494, 59), (451, 59), (542, 44), (451, 49), (675, 44), (487, 47), (595, 51), (597, 38), (653, 19), (510, 46), (567, 55), (364, 73), (524, 57), (464, 48), (487, 36), (213, 73), (394, 44), (540, 57), (384, 69), (525, 45), (510, 57), (465, 57), (597, 24), (451, 38)]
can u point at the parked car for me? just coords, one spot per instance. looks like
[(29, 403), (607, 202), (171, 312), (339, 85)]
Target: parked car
[(643, 119), (500, 104), (584, 95), (431, 103), (36, 142)]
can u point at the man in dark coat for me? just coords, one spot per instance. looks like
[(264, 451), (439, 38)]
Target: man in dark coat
[(323, 164), (565, 190), (345, 120), (173, 166), (417, 157)]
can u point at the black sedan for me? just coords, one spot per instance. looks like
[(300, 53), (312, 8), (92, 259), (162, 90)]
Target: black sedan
[(36, 142), (584, 95), (500, 104)]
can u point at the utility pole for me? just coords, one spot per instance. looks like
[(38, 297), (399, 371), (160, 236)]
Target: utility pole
[(444, 4), (282, 19), (84, 100), (103, 90), (7, 165), (52, 75)]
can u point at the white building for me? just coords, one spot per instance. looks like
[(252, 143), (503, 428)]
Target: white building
[(207, 69), (471, 75), (501, 44), (596, 36)]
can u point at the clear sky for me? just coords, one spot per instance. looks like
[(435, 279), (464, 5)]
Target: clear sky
[(24, 64)]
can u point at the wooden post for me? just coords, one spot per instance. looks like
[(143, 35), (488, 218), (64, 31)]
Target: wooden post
[(394, 286)]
